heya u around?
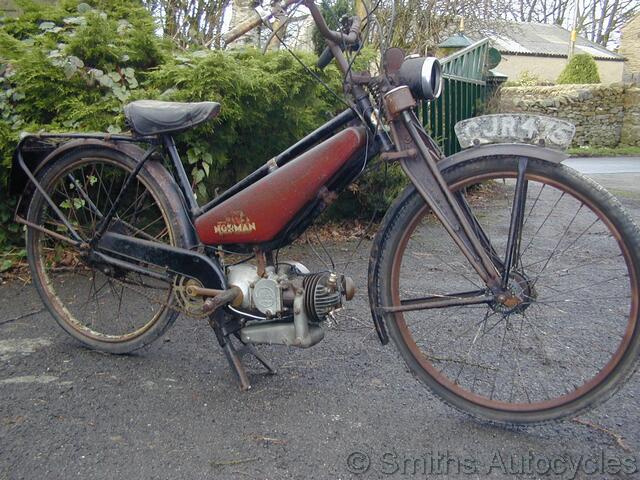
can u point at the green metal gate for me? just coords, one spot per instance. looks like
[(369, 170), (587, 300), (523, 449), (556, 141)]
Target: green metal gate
[(464, 93)]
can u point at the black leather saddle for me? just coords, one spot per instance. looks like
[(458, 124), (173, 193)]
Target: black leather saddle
[(152, 117)]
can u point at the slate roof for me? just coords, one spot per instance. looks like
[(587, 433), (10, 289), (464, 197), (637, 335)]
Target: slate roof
[(540, 39)]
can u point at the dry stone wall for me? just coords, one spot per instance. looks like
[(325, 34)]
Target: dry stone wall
[(604, 115)]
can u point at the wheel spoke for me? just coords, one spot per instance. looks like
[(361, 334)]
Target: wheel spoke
[(93, 295)]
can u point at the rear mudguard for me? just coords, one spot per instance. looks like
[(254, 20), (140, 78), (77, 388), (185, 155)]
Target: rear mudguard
[(19, 182), (465, 156)]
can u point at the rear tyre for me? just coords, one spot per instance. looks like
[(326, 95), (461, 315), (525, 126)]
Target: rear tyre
[(105, 308), (575, 339)]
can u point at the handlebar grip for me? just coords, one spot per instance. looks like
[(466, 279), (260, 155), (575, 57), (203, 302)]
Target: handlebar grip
[(325, 58), (249, 24)]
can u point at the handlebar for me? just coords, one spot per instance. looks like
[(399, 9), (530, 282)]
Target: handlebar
[(339, 38), (350, 38)]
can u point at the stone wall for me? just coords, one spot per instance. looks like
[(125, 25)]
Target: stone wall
[(604, 115)]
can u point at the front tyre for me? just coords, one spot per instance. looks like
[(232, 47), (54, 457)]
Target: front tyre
[(572, 341)]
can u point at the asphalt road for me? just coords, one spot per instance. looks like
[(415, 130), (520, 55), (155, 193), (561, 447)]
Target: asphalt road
[(173, 411)]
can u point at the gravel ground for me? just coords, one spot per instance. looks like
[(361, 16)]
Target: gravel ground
[(173, 411)]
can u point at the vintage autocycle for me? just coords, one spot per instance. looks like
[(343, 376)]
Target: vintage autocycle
[(508, 281)]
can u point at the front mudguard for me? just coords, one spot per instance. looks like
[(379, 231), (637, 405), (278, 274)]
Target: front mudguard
[(465, 156), (503, 150)]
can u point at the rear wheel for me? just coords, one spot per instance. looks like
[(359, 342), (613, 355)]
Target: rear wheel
[(574, 338), (105, 308)]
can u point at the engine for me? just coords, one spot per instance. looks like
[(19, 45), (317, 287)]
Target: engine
[(274, 293), (284, 291)]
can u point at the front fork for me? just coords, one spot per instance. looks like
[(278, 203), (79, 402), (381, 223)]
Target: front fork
[(420, 165)]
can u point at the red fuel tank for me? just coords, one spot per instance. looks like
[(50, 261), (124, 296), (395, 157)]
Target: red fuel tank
[(259, 212)]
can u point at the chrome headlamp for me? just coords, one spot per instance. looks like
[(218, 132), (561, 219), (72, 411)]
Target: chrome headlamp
[(423, 75)]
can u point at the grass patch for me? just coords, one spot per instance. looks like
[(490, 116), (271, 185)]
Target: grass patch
[(619, 151)]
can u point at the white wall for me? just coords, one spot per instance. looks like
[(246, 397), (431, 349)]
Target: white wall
[(549, 68)]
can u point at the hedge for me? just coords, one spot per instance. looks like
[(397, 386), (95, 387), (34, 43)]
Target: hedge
[(72, 67)]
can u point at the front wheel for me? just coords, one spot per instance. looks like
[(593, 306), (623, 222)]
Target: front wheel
[(574, 338)]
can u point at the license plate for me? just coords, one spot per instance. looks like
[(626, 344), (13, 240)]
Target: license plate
[(515, 128)]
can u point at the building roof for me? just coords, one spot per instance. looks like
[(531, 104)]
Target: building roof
[(457, 40), (541, 39)]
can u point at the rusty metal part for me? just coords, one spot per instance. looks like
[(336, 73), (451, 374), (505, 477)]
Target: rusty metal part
[(424, 173), (361, 78), (348, 288), (225, 297), (190, 303), (442, 379), (392, 60), (398, 100), (393, 156), (509, 301), (261, 260), (196, 291), (57, 236)]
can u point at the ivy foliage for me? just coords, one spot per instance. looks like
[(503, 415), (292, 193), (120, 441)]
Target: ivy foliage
[(69, 66), (582, 68), (74, 65)]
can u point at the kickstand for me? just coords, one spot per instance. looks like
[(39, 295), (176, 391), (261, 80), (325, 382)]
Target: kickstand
[(225, 334)]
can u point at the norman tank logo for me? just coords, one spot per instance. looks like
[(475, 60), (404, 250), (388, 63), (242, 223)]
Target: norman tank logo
[(237, 222)]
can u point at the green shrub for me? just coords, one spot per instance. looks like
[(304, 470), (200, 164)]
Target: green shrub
[(72, 67), (268, 102), (582, 68), (68, 67)]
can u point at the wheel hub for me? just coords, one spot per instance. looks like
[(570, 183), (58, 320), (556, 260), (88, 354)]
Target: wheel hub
[(517, 297)]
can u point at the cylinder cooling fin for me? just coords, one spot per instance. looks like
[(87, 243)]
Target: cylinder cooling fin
[(322, 295)]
